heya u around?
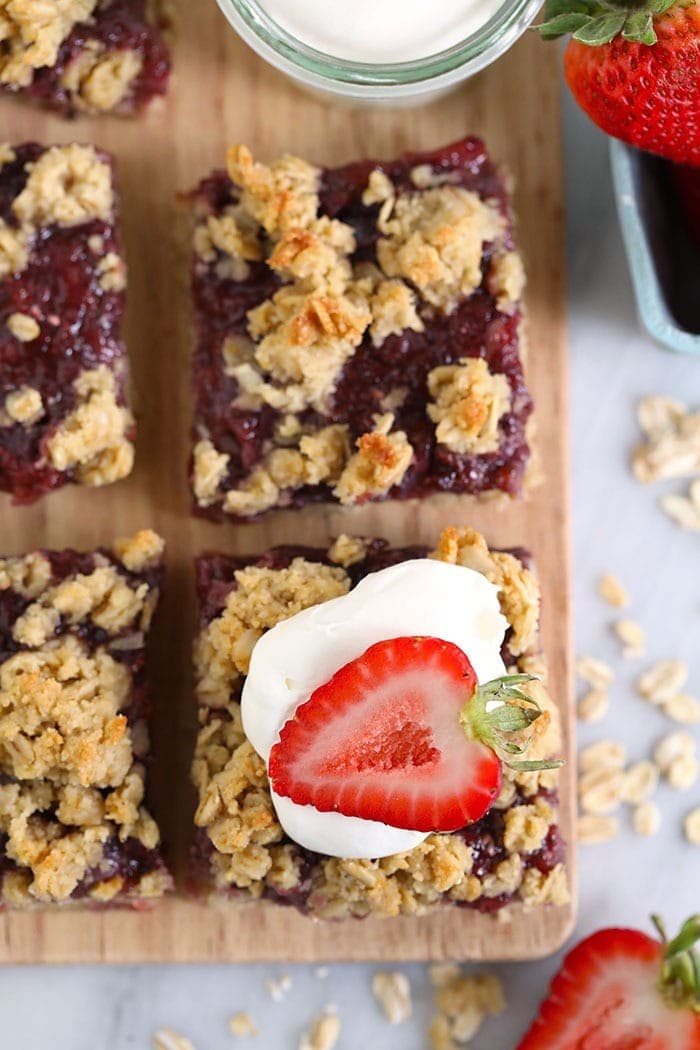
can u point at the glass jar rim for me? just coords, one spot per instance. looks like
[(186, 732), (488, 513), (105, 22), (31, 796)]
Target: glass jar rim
[(468, 56)]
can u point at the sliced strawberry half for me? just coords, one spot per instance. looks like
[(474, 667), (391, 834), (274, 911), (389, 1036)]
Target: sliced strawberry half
[(403, 735), (622, 990)]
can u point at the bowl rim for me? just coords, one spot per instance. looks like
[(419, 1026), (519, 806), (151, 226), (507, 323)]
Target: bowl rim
[(651, 304)]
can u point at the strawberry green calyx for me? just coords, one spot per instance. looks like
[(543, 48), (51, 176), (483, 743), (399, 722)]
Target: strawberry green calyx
[(495, 711), (597, 22), (680, 971)]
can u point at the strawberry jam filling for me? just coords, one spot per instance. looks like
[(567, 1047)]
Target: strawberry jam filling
[(475, 327)]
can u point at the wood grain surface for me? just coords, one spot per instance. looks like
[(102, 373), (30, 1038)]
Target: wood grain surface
[(223, 93)]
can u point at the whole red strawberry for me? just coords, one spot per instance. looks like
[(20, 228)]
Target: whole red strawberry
[(623, 990), (634, 67)]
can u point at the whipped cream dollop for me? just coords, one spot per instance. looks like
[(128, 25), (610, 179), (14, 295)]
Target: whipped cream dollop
[(418, 597)]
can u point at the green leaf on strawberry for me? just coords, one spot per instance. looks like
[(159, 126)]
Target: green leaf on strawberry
[(597, 23)]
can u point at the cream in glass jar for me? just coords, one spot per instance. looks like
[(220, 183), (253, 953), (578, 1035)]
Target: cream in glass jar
[(380, 51)]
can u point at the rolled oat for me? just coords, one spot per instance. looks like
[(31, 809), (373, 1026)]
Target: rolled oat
[(393, 993), (663, 681), (593, 830), (613, 591), (647, 819)]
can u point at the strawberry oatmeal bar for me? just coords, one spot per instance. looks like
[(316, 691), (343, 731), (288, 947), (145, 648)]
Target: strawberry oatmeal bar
[(84, 56), (74, 708), (358, 332), (347, 773), (63, 364)]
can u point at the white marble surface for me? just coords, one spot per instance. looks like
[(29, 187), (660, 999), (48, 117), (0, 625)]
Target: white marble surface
[(617, 526)]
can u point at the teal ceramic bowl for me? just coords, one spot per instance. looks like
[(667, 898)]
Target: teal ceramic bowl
[(663, 259)]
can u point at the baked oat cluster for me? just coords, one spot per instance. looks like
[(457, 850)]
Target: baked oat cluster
[(63, 365), (73, 726), (513, 854), (84, 56), (358, 332)]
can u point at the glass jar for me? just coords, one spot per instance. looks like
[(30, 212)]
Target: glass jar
[(397, 83)]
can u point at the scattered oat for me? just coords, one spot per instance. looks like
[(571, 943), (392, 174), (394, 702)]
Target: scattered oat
[(321, 972), (242, 1026), (683, 772), (633, 638), (647, 819), (393, 993), (593, 830), (673, 746), (639, 782), (607, 754), (167, 1039), (683, 708), (464, 1002), (595, 672), (663, 681), (691, 824), (613, 591), (278, 987), (685, 511), (600, 791), (672, 448), (593, 706), (323, 1033)]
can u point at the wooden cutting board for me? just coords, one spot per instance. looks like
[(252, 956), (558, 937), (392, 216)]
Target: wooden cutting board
[(224, 93)]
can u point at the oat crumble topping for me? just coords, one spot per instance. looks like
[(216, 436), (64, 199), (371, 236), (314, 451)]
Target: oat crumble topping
[(31, 32), (99, 81), (23, 327), (381, 461), (672, 445), (67, 185), (24, 406), (435, 239), (468, 403), (92, 438)]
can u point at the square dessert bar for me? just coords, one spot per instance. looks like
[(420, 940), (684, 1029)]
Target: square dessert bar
[(358, 332), (84, 56), (514, 853), (63, 364), (74, 707)]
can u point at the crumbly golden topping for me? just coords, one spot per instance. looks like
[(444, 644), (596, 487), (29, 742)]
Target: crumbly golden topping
[(262, 598), (234, 232), (506, 280), (24, 406), (23, 327), (67, 185), (103, 597), (280, 196), (209, 469), (435, 239), (31, 32), (381, 461), (348, 550), (468, 403), (7, 154), (28, 575), (112, 271), (519, 592), (92, 438), (60, 715), (141, 551), (98, 81), (14, 248)]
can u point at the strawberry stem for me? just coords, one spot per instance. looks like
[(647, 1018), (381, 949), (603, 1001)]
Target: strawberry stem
[(597, 22), (680, 971), (496, 710)]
